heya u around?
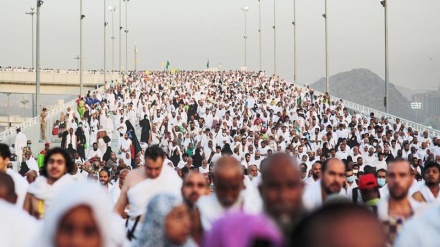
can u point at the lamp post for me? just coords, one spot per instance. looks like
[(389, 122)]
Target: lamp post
[(24, 101), (294, 42), (126, 36), (37, 60), (385, 6), (77, 58), (135, 56), (259, 30), (327, 78), (245, 10), (80, 57), (120, 36), (9, 110), (105, 39), (113, 9), (416, 106), (274, 39), (32, 13)]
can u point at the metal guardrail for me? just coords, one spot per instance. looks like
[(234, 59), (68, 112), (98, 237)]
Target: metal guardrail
[(379, 114)]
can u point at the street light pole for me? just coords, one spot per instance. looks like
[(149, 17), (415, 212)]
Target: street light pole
[(327, 78), (385, 5), (294, 42), (105, 39), (37, 60), (259, 29), (245, 10), (274, 40), (135, 56), (113, 9), (80, 58), (120, 36), (32, 13), (126, 36)]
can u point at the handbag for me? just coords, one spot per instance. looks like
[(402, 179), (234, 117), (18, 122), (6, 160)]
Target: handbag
[(106, 139)]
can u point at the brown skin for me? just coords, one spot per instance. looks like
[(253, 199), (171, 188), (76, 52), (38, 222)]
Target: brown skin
[(153, 167), (399, 181), (3, 164), (332, 178), (333, 232), (178, 225), (281, 189), (78, 228), (56, 168), (432, 180), (228, 181), (31, 176), (194, 185)]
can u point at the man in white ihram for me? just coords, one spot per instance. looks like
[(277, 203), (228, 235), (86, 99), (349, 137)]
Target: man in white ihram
[(20, 143), (142, 184)]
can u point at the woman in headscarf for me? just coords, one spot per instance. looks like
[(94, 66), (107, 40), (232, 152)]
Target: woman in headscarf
[(23, 169), (107, 154), (167, 223), (175, 158), (243, 230), (81, 217)]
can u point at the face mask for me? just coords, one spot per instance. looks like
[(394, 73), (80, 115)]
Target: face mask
[(381, 182), (350, 179), (356, 171), (29, 145)]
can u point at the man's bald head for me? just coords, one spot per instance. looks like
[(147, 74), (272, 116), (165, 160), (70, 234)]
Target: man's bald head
[(7, 188), (31, 176), (281, 189), (228, 180)]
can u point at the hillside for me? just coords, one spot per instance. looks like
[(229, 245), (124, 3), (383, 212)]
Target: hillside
[(364, 87)]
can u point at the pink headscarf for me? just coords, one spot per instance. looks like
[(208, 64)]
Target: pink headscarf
[(241, 230)]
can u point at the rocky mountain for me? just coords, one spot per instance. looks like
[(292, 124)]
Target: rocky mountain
[(364, 87)]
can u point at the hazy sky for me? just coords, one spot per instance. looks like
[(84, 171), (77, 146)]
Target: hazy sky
[(189, 32)]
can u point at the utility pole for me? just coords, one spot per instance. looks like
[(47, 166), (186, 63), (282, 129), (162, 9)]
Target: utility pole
[(327, 78), (295, 74), (32, 13), (387, 63), (259, 30), (113, 9), (126, 36), (120, 36), (80, 58), (245, 10), (135, 56), (274, 40), (37, 60), (105, 40)]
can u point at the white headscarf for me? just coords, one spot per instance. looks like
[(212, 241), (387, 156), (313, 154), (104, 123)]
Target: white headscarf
[(76, 194)]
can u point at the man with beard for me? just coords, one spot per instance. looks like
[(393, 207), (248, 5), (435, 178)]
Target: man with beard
[(332, 179), (429, 191), (316, 173), (104, 180), (398, 207), (94, 152), (281, 189), (252, 172), (194, 185)]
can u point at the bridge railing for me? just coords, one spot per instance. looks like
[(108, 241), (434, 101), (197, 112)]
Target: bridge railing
[(379, 114), (32, 127)]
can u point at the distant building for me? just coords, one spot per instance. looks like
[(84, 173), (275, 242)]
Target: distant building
[(430, 102)]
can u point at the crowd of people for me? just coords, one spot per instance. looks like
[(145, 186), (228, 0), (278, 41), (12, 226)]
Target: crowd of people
[(226, 158)]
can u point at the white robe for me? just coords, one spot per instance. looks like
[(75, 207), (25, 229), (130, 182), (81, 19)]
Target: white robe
[(20, 143), (17, 227)]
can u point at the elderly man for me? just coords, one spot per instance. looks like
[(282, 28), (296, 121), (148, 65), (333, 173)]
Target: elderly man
[(229, 197), (281, 189)]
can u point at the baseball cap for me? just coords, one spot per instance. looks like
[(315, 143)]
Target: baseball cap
[(367, 181), (47, 144)]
